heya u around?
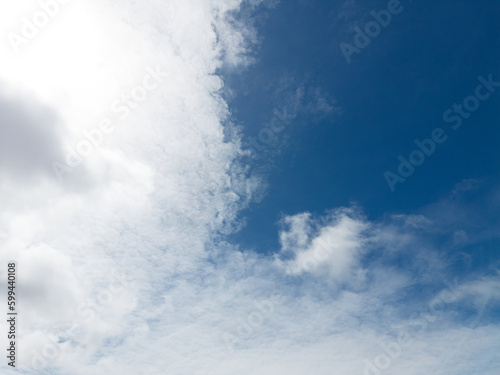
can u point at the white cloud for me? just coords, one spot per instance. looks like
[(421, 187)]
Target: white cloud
[(335, 249), (481, 292)]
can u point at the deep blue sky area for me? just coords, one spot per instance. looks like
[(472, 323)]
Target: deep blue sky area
[(394, 91)]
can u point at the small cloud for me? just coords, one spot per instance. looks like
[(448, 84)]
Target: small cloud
[(464, 186), (304, 97), (414, 221), (333, 249)]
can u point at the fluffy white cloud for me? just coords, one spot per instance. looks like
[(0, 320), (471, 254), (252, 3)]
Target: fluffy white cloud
[(333, 249)]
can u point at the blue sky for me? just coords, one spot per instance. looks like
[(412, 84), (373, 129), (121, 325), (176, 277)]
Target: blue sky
[(393, 92), (251, 186)]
